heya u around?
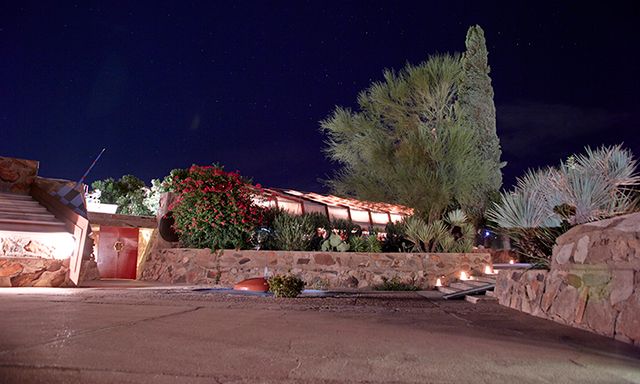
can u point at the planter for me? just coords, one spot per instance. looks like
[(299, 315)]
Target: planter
[(320, 270)]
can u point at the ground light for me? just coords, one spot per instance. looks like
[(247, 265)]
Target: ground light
[(488, 270), (64, 244)]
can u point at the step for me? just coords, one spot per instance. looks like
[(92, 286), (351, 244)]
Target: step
[(447, 290), (28, 216), (491, 294), (31, 226), (477, 283), (14, 196), (486, 279), (19, 203), (461, 286), (23, 209), (478, 298), (459, 294), (45, 223)]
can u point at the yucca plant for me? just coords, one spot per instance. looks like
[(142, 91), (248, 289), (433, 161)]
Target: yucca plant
[(292, 233), (452, 234), (545, 203)]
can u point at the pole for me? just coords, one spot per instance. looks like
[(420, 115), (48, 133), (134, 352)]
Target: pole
[(89, 169)]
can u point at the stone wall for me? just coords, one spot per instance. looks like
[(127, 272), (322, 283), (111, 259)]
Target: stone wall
[(33, 272), (20, 245), (320, 270), (40, 272), (593, 283), (17, 175)]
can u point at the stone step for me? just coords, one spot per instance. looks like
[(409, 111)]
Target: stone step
[(19, 203), (476, 299), (461, 286), (490, 294), (13, 196), (447, 290), (12, 224), (491, 279), (46, 216), (23, 209), (475, 282)]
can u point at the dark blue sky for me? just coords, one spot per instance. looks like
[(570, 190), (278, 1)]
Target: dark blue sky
[(244, 83)]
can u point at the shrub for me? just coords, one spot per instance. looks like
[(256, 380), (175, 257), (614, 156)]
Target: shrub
[(128, 192), (394, 239), (368, 243), (292, 233), (286, 286), (322, 228), (453, 233), (395, 284), (546, 203), (213, 208), (346, 228), (335, 243)]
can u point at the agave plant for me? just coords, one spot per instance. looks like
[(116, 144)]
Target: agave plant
[(452, 234), (545, 203)]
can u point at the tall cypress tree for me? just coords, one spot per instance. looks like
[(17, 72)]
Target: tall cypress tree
[(476, 108)]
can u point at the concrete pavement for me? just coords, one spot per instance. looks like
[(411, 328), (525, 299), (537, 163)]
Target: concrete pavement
[(176, 335)]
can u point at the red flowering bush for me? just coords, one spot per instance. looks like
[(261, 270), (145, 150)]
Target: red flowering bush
[(213, 208)]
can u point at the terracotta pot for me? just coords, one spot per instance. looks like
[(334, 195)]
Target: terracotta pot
[(256, 284)]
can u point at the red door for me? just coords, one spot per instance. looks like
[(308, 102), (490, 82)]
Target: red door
[(117, 252)]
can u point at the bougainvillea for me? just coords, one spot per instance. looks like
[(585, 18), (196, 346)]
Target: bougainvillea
[(213, 208)]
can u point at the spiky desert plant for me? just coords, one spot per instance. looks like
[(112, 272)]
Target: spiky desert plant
[(545, 203), (596, 183), (292, 233), (452, 234)]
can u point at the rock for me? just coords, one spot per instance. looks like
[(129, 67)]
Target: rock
[(552, 288), (204, 259), (323, 259), (581, 304), (596, 278), (574, 280), (621, 286), (600, 317), (628, 323), (89, 271), (10, 269), (54, 266), (582, 248), (564, 253), (5, 281), (564, 306), (26, 279), (8, 175), (350, 282), (51, 279)]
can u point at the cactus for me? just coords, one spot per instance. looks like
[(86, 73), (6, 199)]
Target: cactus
[(334, 243)]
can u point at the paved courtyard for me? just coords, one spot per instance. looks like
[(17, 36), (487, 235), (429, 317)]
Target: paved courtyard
[(177, 335)]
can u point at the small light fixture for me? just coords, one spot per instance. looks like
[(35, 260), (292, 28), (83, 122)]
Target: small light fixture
[(438, 282), (464, 276), (488, 270), (512, 261)]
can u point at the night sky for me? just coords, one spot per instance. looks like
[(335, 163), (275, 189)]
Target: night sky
[(163, 85)]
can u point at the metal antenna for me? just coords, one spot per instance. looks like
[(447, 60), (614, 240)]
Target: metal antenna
[(89, 169)]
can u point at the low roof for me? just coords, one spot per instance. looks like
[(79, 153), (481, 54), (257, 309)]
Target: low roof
[(336, 201), (115, 220)]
